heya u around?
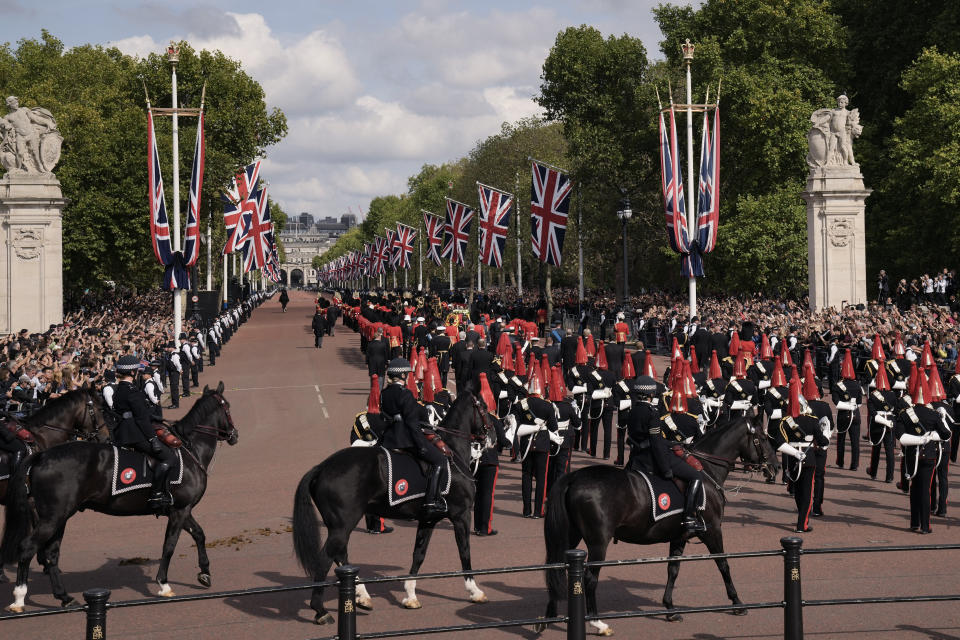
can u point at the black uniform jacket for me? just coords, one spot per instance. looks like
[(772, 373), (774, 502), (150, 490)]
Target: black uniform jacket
[(132, 406), (526, 411), (405, 433)]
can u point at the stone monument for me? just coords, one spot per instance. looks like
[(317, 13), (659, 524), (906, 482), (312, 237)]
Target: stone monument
[(835, 197), (31, 220)]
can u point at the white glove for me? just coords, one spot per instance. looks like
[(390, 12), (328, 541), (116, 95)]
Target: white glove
[(740, 405), (932, 436), (900, 384), (579, 389), (908, 439), (944, 415), (556, 438), (825, 427), (712, 402), (791, 451), (624, 404), (884, 420), (363, 443), (764, 384), (776, 414), (846, 406), (503, 394)]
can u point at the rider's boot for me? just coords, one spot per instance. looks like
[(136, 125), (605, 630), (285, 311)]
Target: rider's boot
[(16, 459), (160, 498), (434, 505), (691, 522)]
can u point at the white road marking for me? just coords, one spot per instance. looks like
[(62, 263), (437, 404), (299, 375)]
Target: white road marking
[(319, 397), (317, 388), (324, 410)]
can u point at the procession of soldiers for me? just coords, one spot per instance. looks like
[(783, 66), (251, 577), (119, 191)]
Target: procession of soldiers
[(552, 391)]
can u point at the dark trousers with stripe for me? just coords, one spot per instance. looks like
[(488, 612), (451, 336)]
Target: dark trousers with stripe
[(819, 474), (607, 419), (621, 436), (534, 470), (940, 485), (920, 495), (803, 491), (486, 479), (886, 444), (174, 386), (559, 465), (853, 433)]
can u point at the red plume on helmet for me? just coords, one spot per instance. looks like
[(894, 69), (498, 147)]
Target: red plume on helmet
[(785, 356), (503, 343), (507, 362), (531, 361), (694, 363), (627, 371), (602, 357), (412, 384), (676, 371), (766, 353), (521, 369), (898, 349), (558, 390), (415, 365), (794, 404), (810, 389), (648, 368), (926, 357), (678, 401), (912, 381), (937, 392), (422, 364), (778, 378), (807, 360), (373, 402), (715, 370), (675, 351), (429, 386), (545, 366), (734, 345), (487, 394), (535, 384), (846, 368), (881, 382), (740, 368), (591, 347), (687, 381), (433, 374), (877, 352), (922, 393), (581, 357)]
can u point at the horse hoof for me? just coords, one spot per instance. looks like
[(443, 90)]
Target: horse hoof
[(66, 601), (165, 591), (674, 617), (323, 618), (411, 603), (365, 603), (540, 627), (14, 608), (606, 632), (204, 579), (480, 598)]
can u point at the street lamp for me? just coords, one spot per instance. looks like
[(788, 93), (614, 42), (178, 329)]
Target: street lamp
[(624, 213)]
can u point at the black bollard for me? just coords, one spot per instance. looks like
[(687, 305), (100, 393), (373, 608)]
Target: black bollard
[(346, 605), (576, 602), (792, 592), (96, 613)]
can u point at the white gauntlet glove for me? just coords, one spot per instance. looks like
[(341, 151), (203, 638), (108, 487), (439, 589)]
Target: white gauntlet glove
[(908, 440), (847, 406), (791, 451)]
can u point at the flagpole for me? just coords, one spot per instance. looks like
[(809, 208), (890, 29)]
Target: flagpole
[(173, 56), (226, 267), (419, 257), (691, 213), (516, 189), (580, 238), (451, 270), (209, 254)]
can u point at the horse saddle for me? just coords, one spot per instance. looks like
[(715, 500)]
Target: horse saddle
[(407, 477), (666, 496), (133, 470), (6, 459)]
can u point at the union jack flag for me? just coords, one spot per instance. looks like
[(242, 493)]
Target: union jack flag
[(708, 205), (403, 246), (260, 234), (365, 259), (549, 204), (672, 183), (381, 255), (390, 249), (191, 236), (159, 223), (240, 201), (433, 226), (456, 231), (494, 224)]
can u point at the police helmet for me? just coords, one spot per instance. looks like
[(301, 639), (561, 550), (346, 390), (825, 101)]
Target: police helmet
[(398, 368), (127, 365), (645, 386)]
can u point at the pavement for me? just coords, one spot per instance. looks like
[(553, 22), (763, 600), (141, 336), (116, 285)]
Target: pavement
[(294, 405)]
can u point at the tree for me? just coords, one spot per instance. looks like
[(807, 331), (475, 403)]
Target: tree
[(96, 95)]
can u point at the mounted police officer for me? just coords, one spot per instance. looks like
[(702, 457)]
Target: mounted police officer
[(404, 432), (135, 431)]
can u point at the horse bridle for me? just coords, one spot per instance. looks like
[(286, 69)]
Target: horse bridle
[(473, 437), (219, 432), (732, 464)]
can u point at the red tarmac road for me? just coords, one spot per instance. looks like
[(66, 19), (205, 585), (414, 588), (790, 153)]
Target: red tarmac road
[(294, 405)]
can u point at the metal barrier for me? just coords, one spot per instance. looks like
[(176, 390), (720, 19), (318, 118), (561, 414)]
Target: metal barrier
[(97, 600)]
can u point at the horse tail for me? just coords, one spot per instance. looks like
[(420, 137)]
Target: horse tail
[(556, 534), (306, 528), (19, 518)]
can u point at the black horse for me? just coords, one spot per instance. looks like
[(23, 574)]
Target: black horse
[(597, 503), (353, 481), (76, 414), (53, 485)]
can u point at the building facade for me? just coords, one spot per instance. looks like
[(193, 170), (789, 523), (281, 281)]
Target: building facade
[(305, 237)]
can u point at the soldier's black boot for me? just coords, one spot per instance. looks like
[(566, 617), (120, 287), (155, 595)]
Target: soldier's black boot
[(434, 505), (160, 499), (691, 522), (17, 458)]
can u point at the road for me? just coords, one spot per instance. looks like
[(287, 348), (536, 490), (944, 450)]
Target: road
[(294, 404)]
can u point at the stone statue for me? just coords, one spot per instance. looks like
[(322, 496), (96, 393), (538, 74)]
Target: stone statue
[(30, 142), (830, 139)]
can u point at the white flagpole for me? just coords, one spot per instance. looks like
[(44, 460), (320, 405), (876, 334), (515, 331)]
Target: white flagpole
[(691, 213), (226, 267), (580, 239), (209, 254), (420, 257), (516, 189), (451, 269), (173, 57)]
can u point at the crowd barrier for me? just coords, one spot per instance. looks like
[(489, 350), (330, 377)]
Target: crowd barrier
[(793, 605)]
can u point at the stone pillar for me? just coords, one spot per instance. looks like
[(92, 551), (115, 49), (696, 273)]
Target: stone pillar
[(31, 252)]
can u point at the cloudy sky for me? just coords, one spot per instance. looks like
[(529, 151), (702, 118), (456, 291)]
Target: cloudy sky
[(372, 89)]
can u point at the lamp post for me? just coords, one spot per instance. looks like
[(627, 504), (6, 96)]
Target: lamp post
[(625, 213)]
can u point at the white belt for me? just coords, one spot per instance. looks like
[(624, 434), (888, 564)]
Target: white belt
[(740, 405)]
